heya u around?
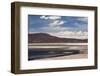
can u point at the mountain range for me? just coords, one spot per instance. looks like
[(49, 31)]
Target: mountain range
[(47, 38)]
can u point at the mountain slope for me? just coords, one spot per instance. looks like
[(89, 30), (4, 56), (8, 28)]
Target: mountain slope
[(46, 38)]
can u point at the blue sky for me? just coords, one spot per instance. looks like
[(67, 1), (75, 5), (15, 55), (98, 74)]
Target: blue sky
[(62, 26)]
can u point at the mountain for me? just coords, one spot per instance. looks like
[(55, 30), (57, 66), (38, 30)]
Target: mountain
[(47, 38)]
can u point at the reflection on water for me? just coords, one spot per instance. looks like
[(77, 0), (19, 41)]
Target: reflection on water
[(48, 50), (46, 53)]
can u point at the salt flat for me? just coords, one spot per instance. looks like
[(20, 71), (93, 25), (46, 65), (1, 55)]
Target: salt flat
[(30, 44), (64, 47)]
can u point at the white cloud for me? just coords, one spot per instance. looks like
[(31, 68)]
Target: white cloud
[(85, 19), (71, 34), (56, 23), (44, 17), (52, 29), (50, 17), (54, 17)]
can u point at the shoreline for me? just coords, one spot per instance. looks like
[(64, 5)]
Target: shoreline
[(76, 56)]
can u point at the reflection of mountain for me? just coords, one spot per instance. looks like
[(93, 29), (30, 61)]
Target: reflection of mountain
[(46, 38)]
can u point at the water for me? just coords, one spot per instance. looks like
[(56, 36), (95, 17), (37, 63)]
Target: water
[(46, 53), (48, 50)]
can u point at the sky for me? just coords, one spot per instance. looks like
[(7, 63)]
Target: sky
[(60, 26)]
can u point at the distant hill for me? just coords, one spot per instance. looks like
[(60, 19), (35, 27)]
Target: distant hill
[(47, 38)]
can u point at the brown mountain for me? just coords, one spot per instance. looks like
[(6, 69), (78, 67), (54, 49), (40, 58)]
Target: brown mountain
[(46, 38)]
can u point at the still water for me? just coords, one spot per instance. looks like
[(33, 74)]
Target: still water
[(47, 53)]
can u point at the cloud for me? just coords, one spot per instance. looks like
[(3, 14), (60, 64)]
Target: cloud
[(43, 17), (83, 19), (54, 17), (71, 34), (50, 17), (53, 29), (56, 23)]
